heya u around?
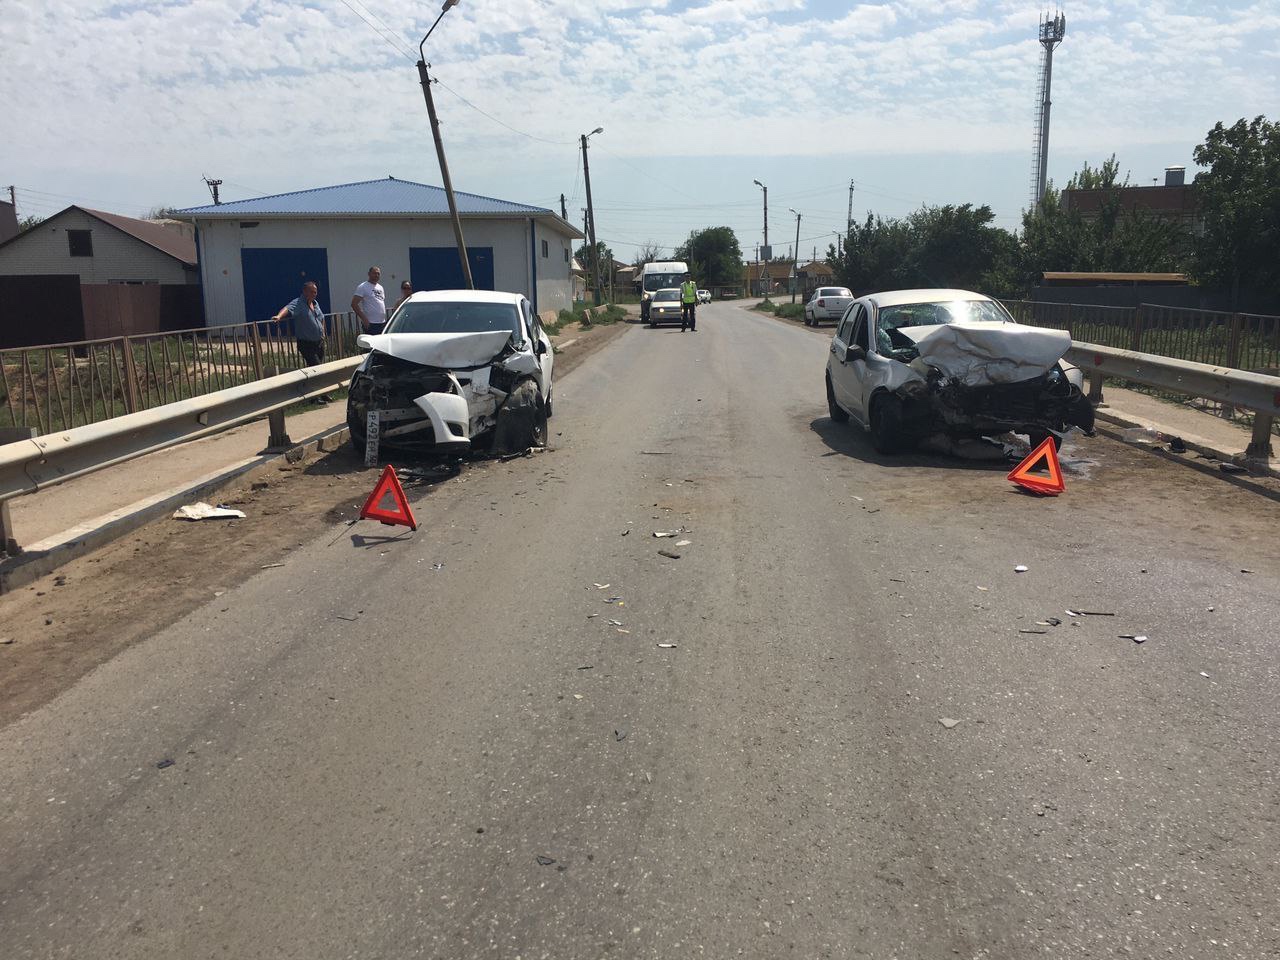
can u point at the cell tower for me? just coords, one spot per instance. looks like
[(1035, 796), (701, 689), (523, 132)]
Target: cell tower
[(1052, 30)]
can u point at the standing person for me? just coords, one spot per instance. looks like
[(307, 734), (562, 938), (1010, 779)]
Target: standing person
[(688, 303), (308, 327), (406, 291), (370, 302)]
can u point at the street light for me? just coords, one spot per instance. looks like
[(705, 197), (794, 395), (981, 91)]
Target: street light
[(425, 80), (795, 266), (764, 251), (591, 217)]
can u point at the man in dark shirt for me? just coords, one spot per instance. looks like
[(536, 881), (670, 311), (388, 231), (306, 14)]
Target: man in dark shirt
[(308, 323)]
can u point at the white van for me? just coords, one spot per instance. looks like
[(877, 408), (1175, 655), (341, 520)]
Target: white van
[(659, 275)]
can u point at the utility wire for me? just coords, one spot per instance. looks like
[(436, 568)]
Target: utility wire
[(501, 123), (388, 37)]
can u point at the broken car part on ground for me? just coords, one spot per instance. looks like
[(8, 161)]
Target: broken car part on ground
[(454, 366), (912, 365)]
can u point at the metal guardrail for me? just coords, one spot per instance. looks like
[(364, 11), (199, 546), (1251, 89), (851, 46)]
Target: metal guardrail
[(30, 465), (64, 385), (1238, 388)]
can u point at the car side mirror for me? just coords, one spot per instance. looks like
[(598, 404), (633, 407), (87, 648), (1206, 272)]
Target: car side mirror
[(855, 353)]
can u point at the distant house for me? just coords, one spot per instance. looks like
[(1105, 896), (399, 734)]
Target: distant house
[(814, 274), (764, 278), (1174, 202), (256, 254), (94, 275)]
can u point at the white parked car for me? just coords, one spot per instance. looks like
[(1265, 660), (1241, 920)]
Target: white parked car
[(704, 296), (827, 303), (452, 366), (907, 365)]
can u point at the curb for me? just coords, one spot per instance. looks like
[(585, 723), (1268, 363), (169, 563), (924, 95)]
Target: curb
[(1255, 467), (47, 555)]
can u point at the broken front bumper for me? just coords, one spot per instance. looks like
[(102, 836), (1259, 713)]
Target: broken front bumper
[(1050, 403), (422, 407)]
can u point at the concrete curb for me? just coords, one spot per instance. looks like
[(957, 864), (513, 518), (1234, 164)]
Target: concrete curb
[(46, 555), (1255, 467)]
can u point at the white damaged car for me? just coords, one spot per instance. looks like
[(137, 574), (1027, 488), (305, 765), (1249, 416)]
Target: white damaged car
[(947, 366), (453, 367)]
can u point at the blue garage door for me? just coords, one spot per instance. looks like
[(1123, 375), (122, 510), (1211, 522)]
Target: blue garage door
[(274, 275), (438, 268)]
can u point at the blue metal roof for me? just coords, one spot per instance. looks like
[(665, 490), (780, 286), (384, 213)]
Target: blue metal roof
[(389, 197)]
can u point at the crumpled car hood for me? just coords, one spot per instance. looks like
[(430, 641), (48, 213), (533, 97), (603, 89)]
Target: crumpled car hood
[(445, 350), (978, 353)]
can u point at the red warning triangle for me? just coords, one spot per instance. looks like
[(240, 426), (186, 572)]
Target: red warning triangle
[(399, 512), (1046, 454)]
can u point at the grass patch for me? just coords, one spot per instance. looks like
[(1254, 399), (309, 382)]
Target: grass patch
[(790, 311), (586, 317), (766, 306)]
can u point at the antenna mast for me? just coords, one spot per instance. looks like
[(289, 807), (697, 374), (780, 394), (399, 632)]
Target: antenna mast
[(1052, 30)]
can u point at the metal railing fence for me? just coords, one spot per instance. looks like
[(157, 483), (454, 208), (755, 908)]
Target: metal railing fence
[(66, 385), (1242, 341)]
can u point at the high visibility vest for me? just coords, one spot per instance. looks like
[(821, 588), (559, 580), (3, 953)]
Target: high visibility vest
[(689, 292)]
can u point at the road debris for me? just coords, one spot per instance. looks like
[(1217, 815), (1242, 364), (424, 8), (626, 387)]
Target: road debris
[(667, 646), (619, 735), (624, 533), (268, 566), (544, 861), (668, 554), (1203, 674), (1231, 468), (684, 543), (577, 696), (1049, 622), (660, 534), (205, 511), (587, 667), (1033, 631), (1177, 445), (1020, 569), (166, 762), (601, 586), (984, 589), (1071, 613), (1135, 637), (5, 641), (948, 722), (592, 616), (617, 600), (1095, 613), (437, 566), (896, 580)]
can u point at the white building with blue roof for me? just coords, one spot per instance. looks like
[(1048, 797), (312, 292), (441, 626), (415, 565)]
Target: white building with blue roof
[(256, 254)]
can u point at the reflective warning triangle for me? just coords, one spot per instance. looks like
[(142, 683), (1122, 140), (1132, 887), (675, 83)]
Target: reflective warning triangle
[(399, 512), (1046, 454)]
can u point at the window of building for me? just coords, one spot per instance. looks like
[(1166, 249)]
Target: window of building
[(566, 254), (80, 243), (546, 252)]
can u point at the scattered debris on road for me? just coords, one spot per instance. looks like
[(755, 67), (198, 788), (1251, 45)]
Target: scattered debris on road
[(544, 861), (684, 543), (1020, 569), (1135, 637), (268, 566), (1096, 613), (1049, 622), (668, 533), (205, 511), (601, 586), (166, 762), (668, 554), (948, 722), (619, 735), (5, 641), (617, 600), (1032, 631), (667, 646)]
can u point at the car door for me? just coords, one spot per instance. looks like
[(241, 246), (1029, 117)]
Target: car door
[(838, 366), (855, 367)]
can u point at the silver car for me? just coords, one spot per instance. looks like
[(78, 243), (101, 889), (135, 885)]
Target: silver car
[(908, 365)]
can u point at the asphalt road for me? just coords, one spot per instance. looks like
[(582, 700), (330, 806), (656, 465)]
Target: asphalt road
[(376, 758)]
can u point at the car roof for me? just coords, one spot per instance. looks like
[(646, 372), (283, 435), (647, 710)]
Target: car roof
[(466, 296), (896, 298)]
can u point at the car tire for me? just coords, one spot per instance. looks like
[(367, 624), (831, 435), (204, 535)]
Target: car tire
[(546, 407), (886, 425), (522, 420), (838, 413)]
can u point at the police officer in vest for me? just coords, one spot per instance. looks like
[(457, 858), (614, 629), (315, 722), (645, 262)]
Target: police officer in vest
[(688, 303)]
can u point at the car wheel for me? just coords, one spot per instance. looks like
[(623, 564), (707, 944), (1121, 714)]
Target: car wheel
[(547, 406), (522, 421), (886, 425), (838, 413)]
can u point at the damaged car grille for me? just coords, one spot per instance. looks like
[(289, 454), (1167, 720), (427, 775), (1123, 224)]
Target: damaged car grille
[(1049, 402)]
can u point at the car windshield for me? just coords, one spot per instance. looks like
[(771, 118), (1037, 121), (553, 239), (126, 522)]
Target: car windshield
[(656, 281), (667, 295), (435, 316), (891, 343), (835, 292)]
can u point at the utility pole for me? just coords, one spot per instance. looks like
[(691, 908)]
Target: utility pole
[(425, 80), (764, 250), (13, 200), (213, 186), (795, 264), (591, 217), (564, 211), (849, 223)]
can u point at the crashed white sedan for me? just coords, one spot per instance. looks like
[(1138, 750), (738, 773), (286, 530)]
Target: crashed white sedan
[(452, 366), (949, 365)]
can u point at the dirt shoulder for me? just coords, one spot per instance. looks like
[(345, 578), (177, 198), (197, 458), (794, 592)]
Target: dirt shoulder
[(58, 629)]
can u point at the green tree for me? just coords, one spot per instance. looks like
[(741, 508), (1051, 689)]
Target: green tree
[(26, 223), (583, 255), (1239, 199), (713, 255)]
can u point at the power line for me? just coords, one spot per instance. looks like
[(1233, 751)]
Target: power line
[(389, 38), (502, 123)]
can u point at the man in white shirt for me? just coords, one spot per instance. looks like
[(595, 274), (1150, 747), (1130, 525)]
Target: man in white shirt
[(370, 302)]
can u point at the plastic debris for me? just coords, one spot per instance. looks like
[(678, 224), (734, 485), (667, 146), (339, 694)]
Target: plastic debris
[(1231, 468), (437, 566), (166, 762), (587, 667), (614, 623), (659, 534), (620, 630), (1135, 637), (1020, 569), (205, 511), (984, 589), (577, 696), (948, 722), (1142, 435), (544, 861), (619, 735), (601, 586), (268, 566), (1049, 622), (5, 641), (624, 533), (667, 646), (684, 543), (1095, 613), (617, 600), (592, 616), (1177, 445), (1071, 613), (1203, 674), (668, 554), (1033, 631)]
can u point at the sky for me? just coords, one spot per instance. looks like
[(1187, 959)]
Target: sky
[(126, 105)]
